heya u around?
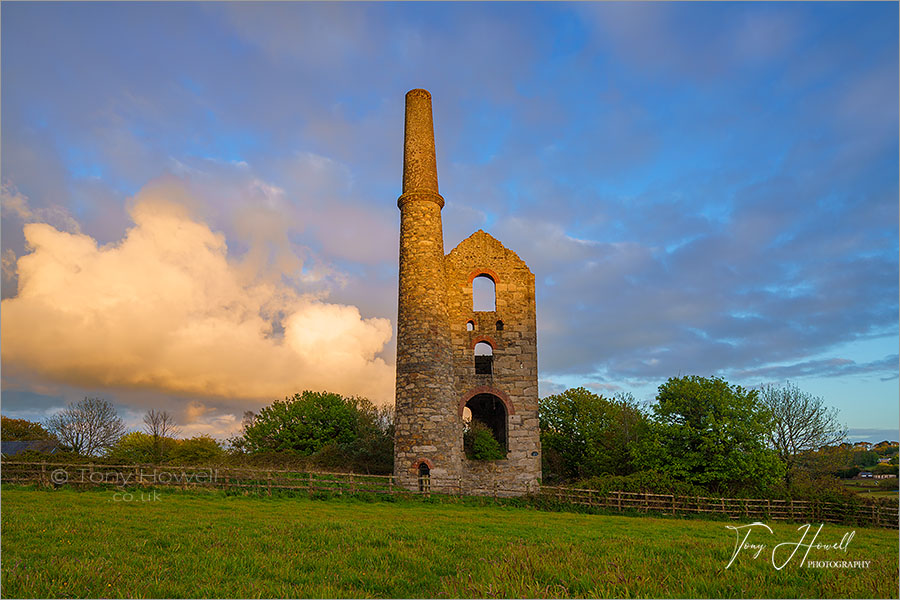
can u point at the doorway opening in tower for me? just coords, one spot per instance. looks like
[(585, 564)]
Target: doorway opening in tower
[(424, 478), (484, 359), (484, 421)]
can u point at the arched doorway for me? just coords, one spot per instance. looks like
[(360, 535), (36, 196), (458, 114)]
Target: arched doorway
[(490, 411), (424, 478)]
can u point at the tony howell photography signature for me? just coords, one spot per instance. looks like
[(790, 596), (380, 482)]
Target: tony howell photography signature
[(788, 550)]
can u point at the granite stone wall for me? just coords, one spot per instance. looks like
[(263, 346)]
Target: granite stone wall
[(514, 371)]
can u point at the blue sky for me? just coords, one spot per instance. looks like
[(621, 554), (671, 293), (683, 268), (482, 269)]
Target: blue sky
[(198, 196)]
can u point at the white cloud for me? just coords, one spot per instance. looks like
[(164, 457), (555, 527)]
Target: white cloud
[(166, 309)]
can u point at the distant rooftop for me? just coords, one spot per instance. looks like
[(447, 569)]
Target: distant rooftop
[(13, 448)]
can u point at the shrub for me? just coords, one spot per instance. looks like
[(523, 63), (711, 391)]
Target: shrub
[(134, 447), (888, 484), (480, 444), (196, 450), (649, 482), (22, 430), (884, 469), (848, 473)]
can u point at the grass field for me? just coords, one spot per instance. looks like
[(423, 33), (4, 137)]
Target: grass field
[(67, 543), (869, 489)]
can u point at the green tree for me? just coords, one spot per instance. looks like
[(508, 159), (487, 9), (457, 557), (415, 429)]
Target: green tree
[(712, 434), (338, 431), (584, 434), (200, 449), (864, 458), (133, 447), (303, 423), (373, 450), (17, 430)]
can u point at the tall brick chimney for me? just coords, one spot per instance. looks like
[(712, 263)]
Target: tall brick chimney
[(428, 430), (419, 163)]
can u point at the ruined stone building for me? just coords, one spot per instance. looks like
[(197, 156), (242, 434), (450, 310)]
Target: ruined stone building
[(455, 360)]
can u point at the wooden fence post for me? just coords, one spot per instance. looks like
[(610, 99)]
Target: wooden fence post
[(391, 485), (269, 482)]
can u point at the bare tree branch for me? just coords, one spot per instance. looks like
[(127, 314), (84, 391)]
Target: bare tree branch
[(161, 426), (802, 422), (87, 427)]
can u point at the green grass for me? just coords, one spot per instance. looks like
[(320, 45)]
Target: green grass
[(869, 488), (69, 543)]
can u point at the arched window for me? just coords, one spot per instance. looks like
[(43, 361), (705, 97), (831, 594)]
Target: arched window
[(499, 325), (490, 412), (424, 477), (470, 325), (484, 358), (484, 294)]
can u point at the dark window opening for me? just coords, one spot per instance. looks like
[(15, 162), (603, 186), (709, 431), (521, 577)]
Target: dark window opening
[(499, 325), (484, 359), (484, 428), (424, 478), (484, 294), (470, 325)]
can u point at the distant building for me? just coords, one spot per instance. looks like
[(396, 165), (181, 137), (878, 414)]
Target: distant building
[(865, 474), (13, 448)]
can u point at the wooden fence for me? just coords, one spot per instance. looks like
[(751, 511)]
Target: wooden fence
[(861, 512), (264, 481)]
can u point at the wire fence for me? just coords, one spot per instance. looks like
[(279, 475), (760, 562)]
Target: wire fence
[(264, 481)]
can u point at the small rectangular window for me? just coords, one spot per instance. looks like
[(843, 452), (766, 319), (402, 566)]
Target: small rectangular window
[(483, 364)]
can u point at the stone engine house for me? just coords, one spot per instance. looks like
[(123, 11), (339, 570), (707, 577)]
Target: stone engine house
[(458, 362)]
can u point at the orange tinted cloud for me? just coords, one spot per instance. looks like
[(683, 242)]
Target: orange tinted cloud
[(167, 309)]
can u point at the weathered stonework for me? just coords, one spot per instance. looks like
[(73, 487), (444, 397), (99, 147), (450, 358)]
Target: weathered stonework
[(436, 375)]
